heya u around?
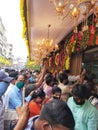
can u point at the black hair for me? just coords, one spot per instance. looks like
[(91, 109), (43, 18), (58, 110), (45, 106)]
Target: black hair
[(40, 93), (14, 74), (79, 90), (48, 75), (49, 80), (7, 70), (90, 86), (63, 77), (30, 72), (55, 81), (25, 76), (91, 77), (66, 71), (56, 89), (56, 112)]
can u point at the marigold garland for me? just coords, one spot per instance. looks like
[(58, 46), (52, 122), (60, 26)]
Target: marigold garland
[(24, 31), (27, 44), (67, 63), (23, 18)]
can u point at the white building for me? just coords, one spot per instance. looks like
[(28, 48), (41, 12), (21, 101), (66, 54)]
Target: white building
[(3, 39), (9, 48), (5, 47)]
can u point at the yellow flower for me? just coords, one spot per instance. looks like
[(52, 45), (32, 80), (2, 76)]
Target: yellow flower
[(67, 63)]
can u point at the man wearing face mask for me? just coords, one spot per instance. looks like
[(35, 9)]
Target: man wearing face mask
[(85, 115), (16, 97), (4, 83)]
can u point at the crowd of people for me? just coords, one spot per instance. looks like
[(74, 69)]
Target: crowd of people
[(43, 101)]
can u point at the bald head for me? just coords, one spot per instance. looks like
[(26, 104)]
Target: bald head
[(20, 78)]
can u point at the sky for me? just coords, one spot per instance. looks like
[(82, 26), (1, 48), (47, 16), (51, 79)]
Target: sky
[(10, 14)]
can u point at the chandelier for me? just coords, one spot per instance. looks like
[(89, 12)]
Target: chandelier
[(74, 8), (43, 48), (60, 7), (64, 7)]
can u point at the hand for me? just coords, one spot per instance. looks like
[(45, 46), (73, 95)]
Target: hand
[(43, 70), (25, 111), (31, 93), (23, 119)]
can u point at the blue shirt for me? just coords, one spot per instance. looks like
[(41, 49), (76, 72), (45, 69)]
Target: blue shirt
[(15, 98)]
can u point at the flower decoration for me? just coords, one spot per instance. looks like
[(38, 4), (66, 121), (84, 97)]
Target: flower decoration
[(24, 22), (67, 63), (57, 59), (23, 18)]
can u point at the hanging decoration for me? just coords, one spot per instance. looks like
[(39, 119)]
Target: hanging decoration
[(95, 41), (51, 61), (73, 43), (92, 28), (57, 59), (23, 18), (78, 45), (28, 48), (62, 58), (44, 48), (96, 14), (67, 63), (46, 63), (24, 22), (68, 48)]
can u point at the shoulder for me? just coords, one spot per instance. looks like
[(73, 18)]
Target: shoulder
[(70, 101), (90, 109), (31, 122), (14, 89), (32, 104)]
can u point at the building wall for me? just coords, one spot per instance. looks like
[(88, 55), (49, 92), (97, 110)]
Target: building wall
[(5, 47), (2, 39)]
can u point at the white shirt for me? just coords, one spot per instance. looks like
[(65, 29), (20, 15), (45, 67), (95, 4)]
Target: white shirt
[(6, 95)]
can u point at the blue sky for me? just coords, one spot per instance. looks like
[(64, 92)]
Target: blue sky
[(10, 14)]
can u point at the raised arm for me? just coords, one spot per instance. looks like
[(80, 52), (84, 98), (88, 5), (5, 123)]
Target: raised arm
[(23, 120)]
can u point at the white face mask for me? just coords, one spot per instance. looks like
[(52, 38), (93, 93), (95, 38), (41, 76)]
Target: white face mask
[(3, 87)]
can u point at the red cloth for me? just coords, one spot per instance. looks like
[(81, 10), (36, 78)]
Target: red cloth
[(34, 108)]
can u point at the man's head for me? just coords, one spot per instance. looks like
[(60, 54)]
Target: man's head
[(79, 94), (20, 81), (55, 115), (49, 80), (38, 96), (56, 92), (63, 78), (20, 78)]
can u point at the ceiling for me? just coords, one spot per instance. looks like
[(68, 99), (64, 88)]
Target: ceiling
[(41, 13)]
